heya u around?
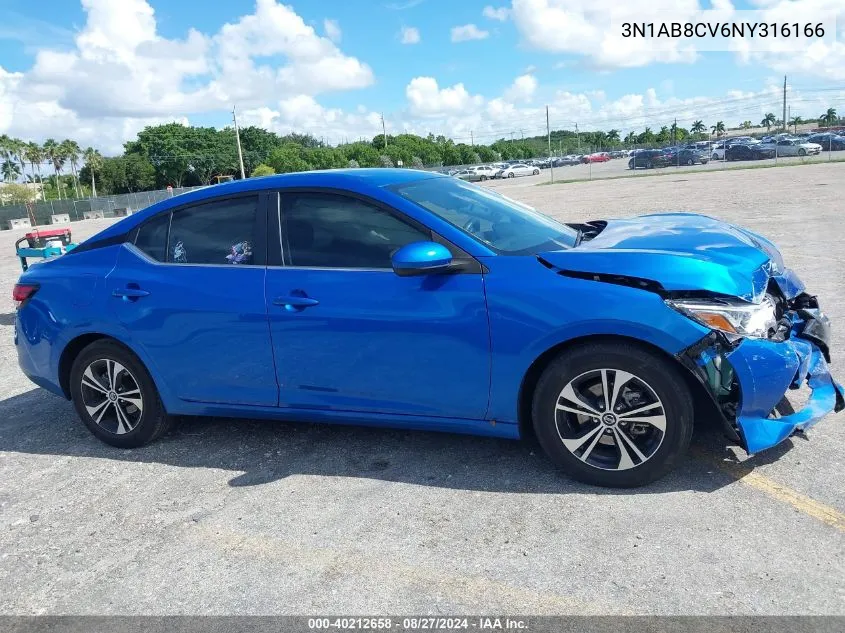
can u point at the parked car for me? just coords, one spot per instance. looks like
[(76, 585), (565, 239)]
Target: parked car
[(597, 157), (470, 175), (750, 152), (518, 170), (828, 142), (567, 161), (794, 147), (487, 171), (647, 158), (255, 299), (686, 156)]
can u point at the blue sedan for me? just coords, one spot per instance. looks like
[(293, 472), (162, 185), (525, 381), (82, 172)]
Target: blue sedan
[(414, 300)]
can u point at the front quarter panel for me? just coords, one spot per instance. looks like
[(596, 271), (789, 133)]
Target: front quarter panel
[(532, 309)]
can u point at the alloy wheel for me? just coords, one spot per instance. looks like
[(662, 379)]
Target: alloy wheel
[(111, 396), (610, 419)]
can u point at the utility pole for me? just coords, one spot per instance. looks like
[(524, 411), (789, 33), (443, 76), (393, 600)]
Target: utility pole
[(579, 138), (471, 139), (238, 139), (522, 133), (784, 103), (549, 139), (384, 131)]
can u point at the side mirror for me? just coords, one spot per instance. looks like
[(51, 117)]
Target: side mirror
[(421, 258)]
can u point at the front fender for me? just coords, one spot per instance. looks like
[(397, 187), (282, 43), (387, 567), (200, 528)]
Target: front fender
[(533, 310)]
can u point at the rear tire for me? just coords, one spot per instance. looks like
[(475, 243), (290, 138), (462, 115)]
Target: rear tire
[(690, 162), (510, 175), (587, 447), (802, 152), (115, 396), (536, 172)]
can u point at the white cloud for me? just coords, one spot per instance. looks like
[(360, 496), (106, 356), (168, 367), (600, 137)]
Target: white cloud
[(122, 73), (409, 35), (522, 89), (427, 99), (332, 30), (468, 32), (500, 14)]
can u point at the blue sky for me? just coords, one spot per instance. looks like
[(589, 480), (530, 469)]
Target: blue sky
[(103, 69)]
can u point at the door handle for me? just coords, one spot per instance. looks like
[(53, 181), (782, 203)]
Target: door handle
[(130, 294), (295, 302)]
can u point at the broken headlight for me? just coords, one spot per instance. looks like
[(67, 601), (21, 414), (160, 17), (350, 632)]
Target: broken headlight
[(756, 320)]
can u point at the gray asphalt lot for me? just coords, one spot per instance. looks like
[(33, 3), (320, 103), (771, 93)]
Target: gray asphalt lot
[(250, 517)]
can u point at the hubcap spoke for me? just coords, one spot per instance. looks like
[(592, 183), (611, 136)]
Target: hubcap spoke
[(647, 407), (605, 391), (123, 423), (97, 412), (626, 445), (620, 379), (89, 380), (574, 445), (569, 394), (657, 421)]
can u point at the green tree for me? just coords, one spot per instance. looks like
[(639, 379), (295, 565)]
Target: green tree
[(262, 170), (828, 118), (71, 151), (768, 121), (14, 193), (56, 156), (288, 158), (35, 155), (719, 128), (94, 162), (795, 122), (10, 170), (698, 127), (746, 125)]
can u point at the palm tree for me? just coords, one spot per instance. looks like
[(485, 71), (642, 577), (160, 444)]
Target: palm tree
[(71, 151), (795, 122), (746, 125), (94, 160), (10, 170), (630, 138), (33, 154), (768, 121), (54, 154), (719, 128), (16, 149), (829, 118), (613, 137), (698, 127)]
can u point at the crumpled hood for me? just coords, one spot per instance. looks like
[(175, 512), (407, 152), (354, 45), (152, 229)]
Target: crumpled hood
[(682, 252)]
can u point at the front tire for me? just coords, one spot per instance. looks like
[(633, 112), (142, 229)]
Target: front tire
[(536, 172), (802, 152), (613, 414), (511, 175), (115, 396)]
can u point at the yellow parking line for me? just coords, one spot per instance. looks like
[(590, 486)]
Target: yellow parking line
[(807, 505)]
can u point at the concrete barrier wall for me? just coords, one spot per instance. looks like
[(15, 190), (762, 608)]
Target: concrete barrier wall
[(93, 215), (19, 223), (60, 218)]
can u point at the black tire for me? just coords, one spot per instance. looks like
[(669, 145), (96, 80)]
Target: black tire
[(631, 165), (152, 419), (690, 162), (483, 178), (511, 175), (649, 165), (658, 373), (802, 152), (536, 172), (715, 156)]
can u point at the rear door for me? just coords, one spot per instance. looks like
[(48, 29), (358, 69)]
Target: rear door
[(351, 335), (190, 291)]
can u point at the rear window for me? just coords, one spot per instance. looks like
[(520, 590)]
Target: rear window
[(152, 237)]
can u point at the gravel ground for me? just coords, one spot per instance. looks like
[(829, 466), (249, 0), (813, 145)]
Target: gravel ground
[(254, 517)]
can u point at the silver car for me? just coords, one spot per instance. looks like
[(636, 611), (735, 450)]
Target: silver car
[(796, 147)]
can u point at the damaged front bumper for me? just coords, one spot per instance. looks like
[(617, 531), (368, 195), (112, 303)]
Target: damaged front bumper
[(748, 380)]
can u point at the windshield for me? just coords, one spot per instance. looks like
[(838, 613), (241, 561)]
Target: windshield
[(506, 226)]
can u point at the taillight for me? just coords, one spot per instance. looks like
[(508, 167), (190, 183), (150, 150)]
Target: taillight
[(22, 293)]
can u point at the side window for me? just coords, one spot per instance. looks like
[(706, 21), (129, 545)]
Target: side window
[(332, 231), (152, 237), (214, 233)]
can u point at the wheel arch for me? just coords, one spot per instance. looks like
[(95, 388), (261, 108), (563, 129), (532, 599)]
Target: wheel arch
[(703, 402), (72, 350)]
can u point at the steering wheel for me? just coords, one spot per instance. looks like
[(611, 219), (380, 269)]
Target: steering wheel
[(473, 225)]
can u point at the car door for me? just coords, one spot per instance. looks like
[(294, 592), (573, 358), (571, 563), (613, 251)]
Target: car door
[(351, 335), (787, 148), (189, 290)]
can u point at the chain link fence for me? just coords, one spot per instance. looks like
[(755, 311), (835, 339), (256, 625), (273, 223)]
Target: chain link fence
[(105, 206)]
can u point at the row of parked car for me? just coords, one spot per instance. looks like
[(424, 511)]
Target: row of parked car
[(531, 167)]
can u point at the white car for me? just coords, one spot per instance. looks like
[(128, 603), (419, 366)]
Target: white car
[(797, 147), (518, 170), (486, 171)]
